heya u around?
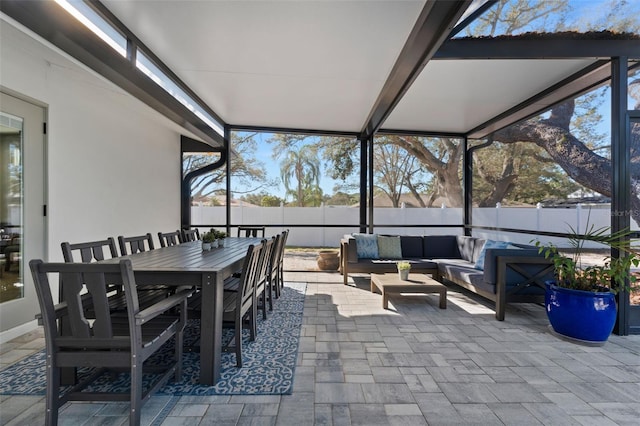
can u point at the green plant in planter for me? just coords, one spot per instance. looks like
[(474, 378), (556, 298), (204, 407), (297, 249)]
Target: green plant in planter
[(611, 276), (208, 237)]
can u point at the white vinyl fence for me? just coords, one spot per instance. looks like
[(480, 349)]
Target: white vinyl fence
[(323, 235)]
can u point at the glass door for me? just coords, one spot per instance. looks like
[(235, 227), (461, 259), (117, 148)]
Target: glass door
[(22, 221)]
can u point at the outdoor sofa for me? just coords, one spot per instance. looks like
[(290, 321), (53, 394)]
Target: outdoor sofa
[(500, 271)]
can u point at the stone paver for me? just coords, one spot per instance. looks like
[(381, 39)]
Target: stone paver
[(359, 364)]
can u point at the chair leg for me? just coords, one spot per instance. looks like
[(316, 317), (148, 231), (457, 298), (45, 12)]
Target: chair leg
[(53, 394), (253, 324), (270, 288), (136, 392), (264, 304), (238, 338), (178, 354)]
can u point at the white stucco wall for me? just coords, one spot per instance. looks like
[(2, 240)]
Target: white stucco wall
[(113, 163)]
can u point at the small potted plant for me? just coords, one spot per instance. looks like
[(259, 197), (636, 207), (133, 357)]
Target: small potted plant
[(404, 267), (207, 240), (581, 302), (221, 236)]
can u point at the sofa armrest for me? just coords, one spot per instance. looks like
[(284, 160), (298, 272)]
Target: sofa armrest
[(349, 247), (531, 270), (491, 262)]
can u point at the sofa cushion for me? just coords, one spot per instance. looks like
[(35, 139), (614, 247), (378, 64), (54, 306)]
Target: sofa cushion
[(489, 244), (411, 246), (389, 247), (461, 271), (440, 246), (389, 265), (465, 247), (366, 245)]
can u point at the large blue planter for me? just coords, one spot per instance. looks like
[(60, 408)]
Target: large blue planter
[(582, 315)]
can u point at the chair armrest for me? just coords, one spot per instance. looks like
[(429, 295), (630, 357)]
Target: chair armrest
[(162, 306)]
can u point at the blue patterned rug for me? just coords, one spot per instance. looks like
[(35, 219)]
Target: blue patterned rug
[(268, 362)]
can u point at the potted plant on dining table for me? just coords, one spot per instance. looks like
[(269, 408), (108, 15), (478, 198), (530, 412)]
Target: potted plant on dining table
[(221, 235), (207, 240), (581, 301)]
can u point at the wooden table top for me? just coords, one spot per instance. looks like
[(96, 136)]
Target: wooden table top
[(189, 257)]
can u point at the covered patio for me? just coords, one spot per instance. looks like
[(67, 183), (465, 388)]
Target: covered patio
[(414, 364), (137, 103)]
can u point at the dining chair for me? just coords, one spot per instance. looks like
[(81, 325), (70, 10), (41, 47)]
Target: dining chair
[(273, 273), (190, 235), (251, 231), (106, 341), (285, 235), (242, 303), (90, 251), (95, 251), (136, 244), (168, 239), (262, 280)]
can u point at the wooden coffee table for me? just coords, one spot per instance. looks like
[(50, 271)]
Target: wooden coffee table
[(418, 283)]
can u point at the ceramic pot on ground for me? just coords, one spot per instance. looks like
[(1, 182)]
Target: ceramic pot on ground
[(582, 315), (328, 260)]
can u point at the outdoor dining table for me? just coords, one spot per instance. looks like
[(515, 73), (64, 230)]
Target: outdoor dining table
[(187, 265)]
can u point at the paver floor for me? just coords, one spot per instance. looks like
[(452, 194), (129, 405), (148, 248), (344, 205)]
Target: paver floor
[(414, 364)]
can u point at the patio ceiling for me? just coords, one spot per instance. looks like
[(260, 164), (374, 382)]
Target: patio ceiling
[(322, 65), (335, 66)]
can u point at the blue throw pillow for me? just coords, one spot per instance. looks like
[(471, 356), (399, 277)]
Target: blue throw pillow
[(366, 246), (489, 244)]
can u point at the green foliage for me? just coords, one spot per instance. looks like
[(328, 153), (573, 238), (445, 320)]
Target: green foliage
[(533, 176), (403, 265), (212, 235), (209, 237), (270, 201), (612, 275)]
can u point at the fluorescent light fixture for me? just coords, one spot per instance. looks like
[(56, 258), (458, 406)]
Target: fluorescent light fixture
[(90, 19), (146, 65)]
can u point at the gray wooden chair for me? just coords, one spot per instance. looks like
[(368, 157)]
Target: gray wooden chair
[(274, 266), (283, 244), (136, 244), (262, 281), (190, 235), (109, 341), (251, 231), (168, 239), (90, 251), (241, 304)]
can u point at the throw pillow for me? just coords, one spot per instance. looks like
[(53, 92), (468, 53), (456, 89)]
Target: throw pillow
[(366, 246), (487, 245), (389, 247)]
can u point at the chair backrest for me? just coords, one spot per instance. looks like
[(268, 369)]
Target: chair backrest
[(190, 235), (248, 278), (83, 283), (89, 251), (283, 245), (251, 231), (276, 252), (263, 269), (136, 244), (168, 239)]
